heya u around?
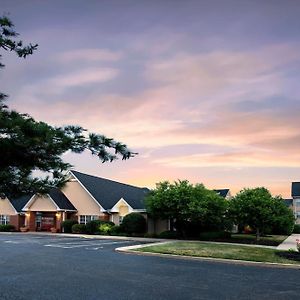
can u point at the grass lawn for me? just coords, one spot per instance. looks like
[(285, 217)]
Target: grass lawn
[(223, 251)]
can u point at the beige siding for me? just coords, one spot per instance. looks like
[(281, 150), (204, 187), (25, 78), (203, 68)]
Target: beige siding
[(114, 217), (157, 226), (121, 209), (80, 198), (6, 208), (42, 203)]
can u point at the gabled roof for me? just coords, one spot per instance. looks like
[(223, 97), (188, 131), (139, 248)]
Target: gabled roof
[(61, 200), (19, 202), (295, 189), (56, 195), (108, 192), (222, 192)]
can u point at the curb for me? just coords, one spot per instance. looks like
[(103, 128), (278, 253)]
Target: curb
[(131, 250)]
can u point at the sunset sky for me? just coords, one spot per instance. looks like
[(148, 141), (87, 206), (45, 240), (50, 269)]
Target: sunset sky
[(207, 91)]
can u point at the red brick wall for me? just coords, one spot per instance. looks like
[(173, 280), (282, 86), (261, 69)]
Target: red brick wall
[(32, 221), (14, 220)]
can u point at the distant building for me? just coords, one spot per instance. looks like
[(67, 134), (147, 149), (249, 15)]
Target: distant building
[(296, 200), (225, 193)]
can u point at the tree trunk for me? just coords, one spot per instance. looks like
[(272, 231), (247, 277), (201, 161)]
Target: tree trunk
[(257, 234)]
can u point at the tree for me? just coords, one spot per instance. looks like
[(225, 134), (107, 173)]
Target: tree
[(191, 207), (134, 223), (27, 145), (208, 209), (262, 212)]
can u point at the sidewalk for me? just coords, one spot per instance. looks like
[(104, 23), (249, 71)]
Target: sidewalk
[(289, 243)]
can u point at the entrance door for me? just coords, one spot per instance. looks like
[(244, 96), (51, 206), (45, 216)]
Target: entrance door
[(47, 223), (38, 222)]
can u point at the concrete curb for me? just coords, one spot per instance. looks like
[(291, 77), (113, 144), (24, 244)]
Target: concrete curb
[(131, 250)]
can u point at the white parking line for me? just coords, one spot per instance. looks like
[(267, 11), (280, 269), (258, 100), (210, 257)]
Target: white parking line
[(68, 246), (11, 242)]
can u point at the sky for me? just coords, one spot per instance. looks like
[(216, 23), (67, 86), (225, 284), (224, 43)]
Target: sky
[(206, 91)]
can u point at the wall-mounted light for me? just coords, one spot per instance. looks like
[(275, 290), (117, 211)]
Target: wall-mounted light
[(57, 215)]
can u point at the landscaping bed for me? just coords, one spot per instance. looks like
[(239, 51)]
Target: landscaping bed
[(269, 240), (235, 252)]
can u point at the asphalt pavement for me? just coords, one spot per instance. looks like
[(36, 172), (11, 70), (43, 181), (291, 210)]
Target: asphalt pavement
[(52, 267)]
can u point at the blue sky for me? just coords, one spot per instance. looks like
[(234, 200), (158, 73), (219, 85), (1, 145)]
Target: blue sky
[(204, 90)]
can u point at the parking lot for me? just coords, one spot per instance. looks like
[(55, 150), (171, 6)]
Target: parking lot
[(69, 243), (57, 267)]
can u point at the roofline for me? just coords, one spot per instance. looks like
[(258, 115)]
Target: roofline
[(23, 209), (130, 207), (137, 187), (31, 199), (12, 206), (101, 208)]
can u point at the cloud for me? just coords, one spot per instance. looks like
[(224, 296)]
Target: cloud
[(233, 160), (89, 55), (83, 77)]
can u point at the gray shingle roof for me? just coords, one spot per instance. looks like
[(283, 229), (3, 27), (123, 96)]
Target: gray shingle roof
[(295, 189), (222, 192), (57, 196), (19, 203), (61, 200), (108, 192)]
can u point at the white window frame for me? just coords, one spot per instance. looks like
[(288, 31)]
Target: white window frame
[(84, 219), (4, 219)]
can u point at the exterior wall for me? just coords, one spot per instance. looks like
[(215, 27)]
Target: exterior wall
[(6, 207), (17, 221), (296, 209), (30, 221), (157, 226), (121, 209), (41, 203), (80, 198), (114, 217)]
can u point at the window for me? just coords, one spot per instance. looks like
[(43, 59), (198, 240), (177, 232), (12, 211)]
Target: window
[(4, 219), (120, 219), (83, 219)]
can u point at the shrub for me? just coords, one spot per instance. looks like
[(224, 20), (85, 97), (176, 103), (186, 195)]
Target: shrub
[(6, 228), (213, 235), (79, 228), (93, 226), (168, 235), (105, 228), (150, 235), (116, 230), (134, 223), (296, 228), (67, 225)]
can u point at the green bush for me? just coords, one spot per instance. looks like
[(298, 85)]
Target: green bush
[(296, 228), (168, 234), (213, 235), (78, 228), (67, 225), (105, 228), (134, 223), (93, 226), (116, 230), (6, 228)]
